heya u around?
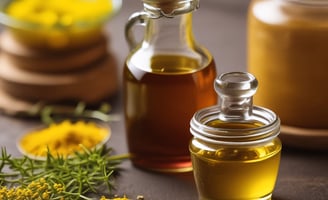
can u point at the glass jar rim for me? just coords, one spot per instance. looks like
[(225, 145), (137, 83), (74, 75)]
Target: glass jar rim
[(232, 136)]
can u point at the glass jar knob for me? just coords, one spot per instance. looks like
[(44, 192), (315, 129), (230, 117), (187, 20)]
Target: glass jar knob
[(235, 90)]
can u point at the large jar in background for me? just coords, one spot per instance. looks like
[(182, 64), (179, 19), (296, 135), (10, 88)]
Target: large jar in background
[(287, 52), (167, 77)]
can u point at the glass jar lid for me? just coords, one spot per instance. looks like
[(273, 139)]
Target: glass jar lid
[(235, 121)]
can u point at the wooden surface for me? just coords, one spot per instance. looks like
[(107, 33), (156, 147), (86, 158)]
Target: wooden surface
[(220, 26)]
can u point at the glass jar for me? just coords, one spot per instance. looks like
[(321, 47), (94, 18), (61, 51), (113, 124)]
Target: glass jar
[(167, 77), (287, 52), (235, 150)]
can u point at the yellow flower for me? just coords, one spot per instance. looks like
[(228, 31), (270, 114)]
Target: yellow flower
[(58, 187), (35, 195), (118, 198), (45, 195)]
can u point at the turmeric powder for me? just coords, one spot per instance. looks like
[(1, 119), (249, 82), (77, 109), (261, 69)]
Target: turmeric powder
[(59, 13), (63, 138), (60, 24)]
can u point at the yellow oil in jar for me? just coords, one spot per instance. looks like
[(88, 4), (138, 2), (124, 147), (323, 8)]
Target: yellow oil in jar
[(235, 172), (160, 99)]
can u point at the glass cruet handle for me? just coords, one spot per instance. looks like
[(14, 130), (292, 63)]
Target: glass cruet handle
[(138, 18), (236, 90)]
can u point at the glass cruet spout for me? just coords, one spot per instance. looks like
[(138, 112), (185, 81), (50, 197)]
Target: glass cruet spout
[(235, 90), (170, 8)]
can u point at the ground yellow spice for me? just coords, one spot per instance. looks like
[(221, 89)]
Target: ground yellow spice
[(59, 13), (63, 138), (58, 24)]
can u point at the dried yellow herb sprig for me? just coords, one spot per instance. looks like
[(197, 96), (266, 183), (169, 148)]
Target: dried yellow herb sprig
[(79, 176), (139, 197), (39, 189)]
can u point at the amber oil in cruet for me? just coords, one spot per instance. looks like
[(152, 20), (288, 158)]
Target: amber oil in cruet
[(235, 149), (166, 79)]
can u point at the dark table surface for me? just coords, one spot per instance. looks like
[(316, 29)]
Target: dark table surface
[(220, 25)]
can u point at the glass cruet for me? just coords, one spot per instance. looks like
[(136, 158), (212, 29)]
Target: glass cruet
[(235, 145), (167, 77)]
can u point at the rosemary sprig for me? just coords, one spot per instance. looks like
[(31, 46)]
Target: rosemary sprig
[(49, 113), (78, 176)]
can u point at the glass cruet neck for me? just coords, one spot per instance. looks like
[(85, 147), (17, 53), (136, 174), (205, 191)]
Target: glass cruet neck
[(173, 35), (175, 32), (236, 90), (169, 8)]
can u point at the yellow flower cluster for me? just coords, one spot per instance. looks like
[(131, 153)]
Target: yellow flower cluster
[(115, 198), (41, 190), (63, 138), (140, 197), (50, 13), (36, 190)]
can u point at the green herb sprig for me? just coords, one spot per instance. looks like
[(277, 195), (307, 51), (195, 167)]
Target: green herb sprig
[(49, 113), (57, 177)]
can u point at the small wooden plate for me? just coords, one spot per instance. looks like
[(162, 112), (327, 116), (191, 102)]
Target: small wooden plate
[(40, 60), (90, 85), (315, 139), (12, 106)]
